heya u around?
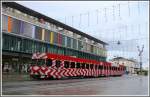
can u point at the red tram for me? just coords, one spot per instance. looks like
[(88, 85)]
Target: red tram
[(47, 65)]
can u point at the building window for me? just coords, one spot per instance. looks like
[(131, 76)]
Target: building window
[(27, 29), (69, 42), (80, 46), (63, 39), (47, 35), (4, 23), (16, 25), (55, 36), (74, 43), (38, 33)]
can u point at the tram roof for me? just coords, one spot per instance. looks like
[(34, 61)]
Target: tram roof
[(48, 19)]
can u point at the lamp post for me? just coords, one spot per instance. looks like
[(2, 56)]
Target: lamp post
[(140, 55)]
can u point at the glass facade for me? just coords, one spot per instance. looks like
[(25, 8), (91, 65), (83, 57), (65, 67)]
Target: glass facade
[(25, 45), (19, 27)]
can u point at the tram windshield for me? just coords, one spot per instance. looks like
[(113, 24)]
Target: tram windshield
[(38, 62)]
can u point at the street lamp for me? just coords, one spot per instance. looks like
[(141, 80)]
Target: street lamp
[(140, 55)]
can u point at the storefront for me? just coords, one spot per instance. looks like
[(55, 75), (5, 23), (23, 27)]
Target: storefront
[(15, 62)]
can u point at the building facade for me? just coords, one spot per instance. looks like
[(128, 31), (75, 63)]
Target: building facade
[(131, 64), (25, 31)]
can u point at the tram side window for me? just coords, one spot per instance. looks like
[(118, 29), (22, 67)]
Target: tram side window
[(95, 66), (72, 64), (78, 65), (110, 68), (101, 67), (104, 67), (58, 63), (91, 66), (83, 65), (49, 62), (87, 66), (66, 64)]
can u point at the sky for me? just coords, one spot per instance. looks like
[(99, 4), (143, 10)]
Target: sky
[(109, 21)]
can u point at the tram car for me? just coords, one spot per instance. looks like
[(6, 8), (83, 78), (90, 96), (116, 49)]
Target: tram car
[(48, 65)]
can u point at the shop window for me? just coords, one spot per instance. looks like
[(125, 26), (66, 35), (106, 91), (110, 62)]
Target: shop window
[(72, 64), (66, 64)]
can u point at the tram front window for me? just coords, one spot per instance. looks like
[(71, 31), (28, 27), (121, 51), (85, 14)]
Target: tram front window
[(38, 62), (41, 62), (34, 62)]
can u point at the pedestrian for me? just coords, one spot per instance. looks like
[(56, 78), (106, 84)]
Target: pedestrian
[(7, 68), (3, 67), (20, 68)]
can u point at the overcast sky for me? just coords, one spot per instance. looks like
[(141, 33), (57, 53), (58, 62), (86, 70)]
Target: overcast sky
[(128, 24)]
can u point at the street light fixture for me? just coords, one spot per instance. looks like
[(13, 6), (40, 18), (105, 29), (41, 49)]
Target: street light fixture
[(140, 55)]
